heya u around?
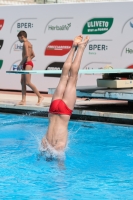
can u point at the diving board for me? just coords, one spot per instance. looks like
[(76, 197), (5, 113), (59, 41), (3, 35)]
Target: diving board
[(81, 71)]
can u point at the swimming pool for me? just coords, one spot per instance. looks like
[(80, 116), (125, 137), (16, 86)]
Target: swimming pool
[(98, 163)]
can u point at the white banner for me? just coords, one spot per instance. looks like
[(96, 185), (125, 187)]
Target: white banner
[(52, 28)]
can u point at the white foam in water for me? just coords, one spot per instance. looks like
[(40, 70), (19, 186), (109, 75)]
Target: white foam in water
[(50, 152), (11, 121)]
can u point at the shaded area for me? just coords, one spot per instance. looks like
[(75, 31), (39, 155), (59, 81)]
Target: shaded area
[(116, 108)]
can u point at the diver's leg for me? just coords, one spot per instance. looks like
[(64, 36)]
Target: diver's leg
[(70, 93), (59, 92)]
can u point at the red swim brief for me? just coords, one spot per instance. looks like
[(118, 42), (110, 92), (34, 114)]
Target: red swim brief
[(27, 63), (58, 106)]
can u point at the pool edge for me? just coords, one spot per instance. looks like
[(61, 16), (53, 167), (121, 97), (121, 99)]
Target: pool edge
[(78, 114)]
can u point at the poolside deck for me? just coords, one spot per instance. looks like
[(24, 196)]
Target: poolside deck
[(116, 111)]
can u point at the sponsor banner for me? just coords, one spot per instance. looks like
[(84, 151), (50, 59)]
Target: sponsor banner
[(54, 66), (131, 24), (130, 67), (1, 63), (59, 25), (14, 65), (64, 27), (58, 48), (99, 47), (127, 50), (18, 46), (26, 24), (127, 26), (52, 35), (97, 26), (1, 23), (1, 44), (96, 65)]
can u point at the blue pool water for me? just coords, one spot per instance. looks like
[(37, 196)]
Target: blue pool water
[(98, 162)]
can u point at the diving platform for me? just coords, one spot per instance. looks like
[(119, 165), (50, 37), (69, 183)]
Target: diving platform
[(81, 71), (102, 93), (119, 89)]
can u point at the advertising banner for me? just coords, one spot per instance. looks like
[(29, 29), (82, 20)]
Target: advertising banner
[(51, 30)]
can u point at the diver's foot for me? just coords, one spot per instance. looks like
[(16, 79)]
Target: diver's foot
[(77, 40), (22, 103), (40, 100), (83, 43)]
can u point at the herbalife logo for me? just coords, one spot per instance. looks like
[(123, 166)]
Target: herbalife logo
[(1, 63), (24, 25), (59, 28), (129, 51), (1, 43), (97, 26)]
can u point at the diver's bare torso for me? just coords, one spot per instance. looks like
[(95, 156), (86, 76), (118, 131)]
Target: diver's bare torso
[(30, 51), (57, 132)]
